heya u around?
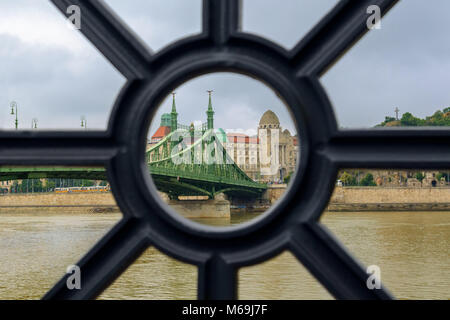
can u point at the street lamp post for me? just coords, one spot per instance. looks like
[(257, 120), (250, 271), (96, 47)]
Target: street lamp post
[(34, 123), (13, 105), (84, 122)]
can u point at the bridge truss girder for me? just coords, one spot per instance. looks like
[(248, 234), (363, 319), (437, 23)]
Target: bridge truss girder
[(176, 186), (198, 169)]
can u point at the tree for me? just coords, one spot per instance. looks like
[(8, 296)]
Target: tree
[(439, 118), (409, 120), (287, 178), (420, 176), (389, 119), (87, 183), (15, 186), (386, 121), (347, 179), (21, 187), (50, 185), (367, 181), (38, 186), (444, 175)]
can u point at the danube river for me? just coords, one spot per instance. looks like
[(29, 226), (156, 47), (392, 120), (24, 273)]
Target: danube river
[(411, 249)]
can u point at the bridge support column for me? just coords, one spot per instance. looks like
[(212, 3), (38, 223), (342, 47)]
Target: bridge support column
[(219, 207), (259, 204), (164, 196)]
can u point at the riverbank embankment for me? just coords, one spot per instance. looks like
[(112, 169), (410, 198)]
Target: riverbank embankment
[(389, 199), (343, 199), (86, 202)]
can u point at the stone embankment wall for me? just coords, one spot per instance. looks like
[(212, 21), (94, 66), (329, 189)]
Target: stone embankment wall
[(343, 199), (90, 202), (369, 199), (390, 199)]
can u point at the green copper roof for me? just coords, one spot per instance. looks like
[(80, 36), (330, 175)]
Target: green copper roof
[(165, 120), (210, 112), (174, 108), (173, 115), (209, 103), (220, 133)]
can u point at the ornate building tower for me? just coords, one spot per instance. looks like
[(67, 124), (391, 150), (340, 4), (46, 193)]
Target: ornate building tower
[(210, 112), (173, 115), (269, 139)]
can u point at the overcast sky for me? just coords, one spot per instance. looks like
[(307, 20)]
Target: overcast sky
[(57, 76)]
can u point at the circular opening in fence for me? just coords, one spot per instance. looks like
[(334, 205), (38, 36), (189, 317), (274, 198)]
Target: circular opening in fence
[(222, 149)]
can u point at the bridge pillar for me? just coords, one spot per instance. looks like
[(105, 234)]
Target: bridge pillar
[(164, 196), (219, 207), (221, 196), (259, 204)]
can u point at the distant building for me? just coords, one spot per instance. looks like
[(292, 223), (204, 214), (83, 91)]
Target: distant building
[(163, 130), (243, 149), (261, 158), (169, 123), (284, 158), (430, 179), (160, 134), (413, 183)]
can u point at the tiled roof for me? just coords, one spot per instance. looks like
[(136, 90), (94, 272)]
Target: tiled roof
[(161, 132)]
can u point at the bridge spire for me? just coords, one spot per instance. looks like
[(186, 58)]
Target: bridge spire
[(210, 112), (173, 114)]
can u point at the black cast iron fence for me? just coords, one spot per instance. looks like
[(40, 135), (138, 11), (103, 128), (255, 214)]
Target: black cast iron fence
[(290, 225)]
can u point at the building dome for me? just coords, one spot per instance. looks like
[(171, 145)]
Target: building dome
[(269, 118), (286, 132), (165, 120)]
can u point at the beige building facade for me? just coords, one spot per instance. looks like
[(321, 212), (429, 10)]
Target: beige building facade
[(268, 157)]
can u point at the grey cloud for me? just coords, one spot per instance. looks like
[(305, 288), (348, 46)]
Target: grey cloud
[(52, 83), (159, 23), (284, 22), (238, 102), (404, 64)]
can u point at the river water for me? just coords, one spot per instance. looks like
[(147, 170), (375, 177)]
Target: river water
[(411, 249)]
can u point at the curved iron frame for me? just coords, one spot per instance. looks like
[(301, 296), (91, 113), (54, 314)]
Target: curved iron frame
[(294, 225)]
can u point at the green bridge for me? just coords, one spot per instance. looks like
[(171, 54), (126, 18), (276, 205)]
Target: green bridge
[(195, 170), (188, 161)]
